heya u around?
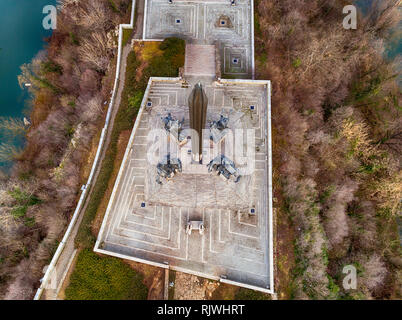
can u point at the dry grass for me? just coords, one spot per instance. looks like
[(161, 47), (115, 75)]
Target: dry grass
[(147, 50), (153, 278), (121, 147)]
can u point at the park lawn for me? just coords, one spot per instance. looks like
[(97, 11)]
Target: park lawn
[(99, 278)]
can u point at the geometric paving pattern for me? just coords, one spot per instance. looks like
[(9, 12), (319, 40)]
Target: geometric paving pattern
[(206, 22), (200, 60), (144, 223)]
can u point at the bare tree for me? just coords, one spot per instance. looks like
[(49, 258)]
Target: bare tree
[(93, 15), (383, 16), (12, 126), (95, 51)]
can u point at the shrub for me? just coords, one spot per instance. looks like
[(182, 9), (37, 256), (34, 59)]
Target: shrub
[(51, 66), (74, 39), (172, 58), (113, 5), (19, 211), (336, 140), (23, 197)]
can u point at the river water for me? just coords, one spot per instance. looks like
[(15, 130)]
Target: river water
[(21, 38), (394, 46)]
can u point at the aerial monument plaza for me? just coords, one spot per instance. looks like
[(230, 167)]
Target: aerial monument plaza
[(194, 191)]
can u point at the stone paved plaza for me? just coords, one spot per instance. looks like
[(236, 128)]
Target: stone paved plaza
[(235, 245), (207, 22), (146, 221)]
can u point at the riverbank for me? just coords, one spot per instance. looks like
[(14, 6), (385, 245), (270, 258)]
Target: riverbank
[(69, 87), (21, 39)]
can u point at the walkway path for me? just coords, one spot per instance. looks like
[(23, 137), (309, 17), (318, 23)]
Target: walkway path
[(139, 19), (65, 259)]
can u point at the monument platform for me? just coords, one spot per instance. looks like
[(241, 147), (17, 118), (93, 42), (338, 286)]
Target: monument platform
[(146, 222)]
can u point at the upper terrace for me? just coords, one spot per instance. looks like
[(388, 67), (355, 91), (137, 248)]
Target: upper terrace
[(229, 27)]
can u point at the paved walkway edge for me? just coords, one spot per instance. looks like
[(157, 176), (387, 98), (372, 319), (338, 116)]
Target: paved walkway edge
[(70, 262), (166, 287), (51, 268)]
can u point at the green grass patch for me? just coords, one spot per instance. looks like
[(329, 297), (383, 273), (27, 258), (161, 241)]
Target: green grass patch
[(127, 33), (168, 64), (324, 196), (29, 222), (262, 58), (97, 278), (333, 289), (23, 197), (247, 294)]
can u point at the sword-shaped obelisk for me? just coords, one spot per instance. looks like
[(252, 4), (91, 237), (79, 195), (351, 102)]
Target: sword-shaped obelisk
[(198, 103)]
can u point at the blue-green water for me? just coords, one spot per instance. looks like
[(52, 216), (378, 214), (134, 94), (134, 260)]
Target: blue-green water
[(21, 38), (394, 45)]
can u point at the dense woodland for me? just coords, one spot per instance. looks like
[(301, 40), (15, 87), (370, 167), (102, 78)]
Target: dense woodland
[(336, 144)]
